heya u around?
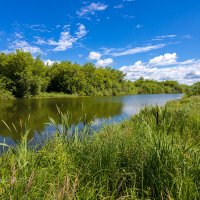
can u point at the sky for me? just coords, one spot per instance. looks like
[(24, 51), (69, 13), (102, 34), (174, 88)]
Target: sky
[(153, 39)]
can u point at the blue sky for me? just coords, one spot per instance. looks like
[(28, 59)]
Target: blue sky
[(154, 39)]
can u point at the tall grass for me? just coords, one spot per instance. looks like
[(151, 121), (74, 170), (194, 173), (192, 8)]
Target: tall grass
[(155, 155)]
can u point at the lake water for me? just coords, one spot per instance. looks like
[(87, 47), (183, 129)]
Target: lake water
[(97, 110)]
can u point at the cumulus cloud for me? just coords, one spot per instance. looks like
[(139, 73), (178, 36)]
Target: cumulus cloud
[(81, 31), (104, 62), (99, 61), (94, 56), (166, 59), (50, 62), (66, 39), (25, 46), (167, 68), (40, 41), (91, 9)]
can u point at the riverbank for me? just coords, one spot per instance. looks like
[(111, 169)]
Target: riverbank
[(155, 155), (5, 95), (54, 95)]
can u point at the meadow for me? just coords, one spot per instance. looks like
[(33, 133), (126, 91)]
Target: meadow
[(154, 155)]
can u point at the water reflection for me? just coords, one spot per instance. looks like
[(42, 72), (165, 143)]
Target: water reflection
[(82, 109)]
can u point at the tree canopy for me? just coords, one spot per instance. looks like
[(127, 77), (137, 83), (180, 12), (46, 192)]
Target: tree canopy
[(23, 75)]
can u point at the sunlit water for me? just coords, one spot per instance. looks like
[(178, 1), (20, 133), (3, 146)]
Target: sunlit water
[(96, 110)]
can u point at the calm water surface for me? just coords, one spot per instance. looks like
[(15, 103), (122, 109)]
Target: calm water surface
[(97, 110)]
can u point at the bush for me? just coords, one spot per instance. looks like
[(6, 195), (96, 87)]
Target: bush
[(195, 89)]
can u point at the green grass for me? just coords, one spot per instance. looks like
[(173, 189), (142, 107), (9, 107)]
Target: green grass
[(54, 95), (155, 155), (64, 95)]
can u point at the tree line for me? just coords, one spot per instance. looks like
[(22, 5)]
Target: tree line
[(22, 75)]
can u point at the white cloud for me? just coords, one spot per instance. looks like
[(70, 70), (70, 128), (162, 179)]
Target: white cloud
[(162, 37), (66, 40), (123, 52), (40, 41), (91, 9), (19, 35), (50, 62), (100, 62), (166, 59), (94, 56), (104, 62), (187, 72), (81, 31), (25, 46)]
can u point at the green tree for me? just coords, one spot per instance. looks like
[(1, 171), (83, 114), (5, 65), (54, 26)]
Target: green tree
[(23, 74)]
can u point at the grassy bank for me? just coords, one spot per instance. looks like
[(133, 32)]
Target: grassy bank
[(54, 95), (155, 155)]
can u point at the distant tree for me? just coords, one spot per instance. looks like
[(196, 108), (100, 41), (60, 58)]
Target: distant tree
[(195, 89), (22, 74)]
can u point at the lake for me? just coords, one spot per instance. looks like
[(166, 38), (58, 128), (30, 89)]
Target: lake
[(96, 110)]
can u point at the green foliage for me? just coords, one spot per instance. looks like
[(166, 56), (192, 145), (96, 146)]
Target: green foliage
[(5, 94), (173, 86), (66, 77), (85, 80), (22, 74), (155, 87), (194, 90), (155, 155), (25, 76)]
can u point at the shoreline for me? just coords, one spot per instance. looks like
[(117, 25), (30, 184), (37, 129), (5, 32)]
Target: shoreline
[(63, 95)]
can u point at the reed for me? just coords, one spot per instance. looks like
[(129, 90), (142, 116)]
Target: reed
[(154, 155)]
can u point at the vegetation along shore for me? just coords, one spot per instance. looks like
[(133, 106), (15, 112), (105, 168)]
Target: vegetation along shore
[(99, 100), (22, 75), (154, 155)]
